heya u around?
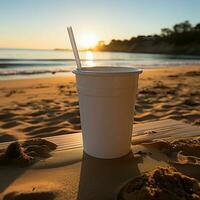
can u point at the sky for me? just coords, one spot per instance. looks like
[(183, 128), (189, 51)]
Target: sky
[(41, 24)]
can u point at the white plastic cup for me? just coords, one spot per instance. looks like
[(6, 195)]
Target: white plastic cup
[(107, 99)]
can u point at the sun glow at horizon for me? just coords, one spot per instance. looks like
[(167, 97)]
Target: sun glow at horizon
[(89, 40)]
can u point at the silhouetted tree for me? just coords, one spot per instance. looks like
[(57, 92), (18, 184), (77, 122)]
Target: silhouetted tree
[(182, 27), (182, 38), (166, 32), (197, 27)]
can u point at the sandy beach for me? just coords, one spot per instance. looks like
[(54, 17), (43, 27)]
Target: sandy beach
[(43, 107), (107, 139)]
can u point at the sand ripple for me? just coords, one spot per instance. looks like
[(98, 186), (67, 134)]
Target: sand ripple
[(50, 107)]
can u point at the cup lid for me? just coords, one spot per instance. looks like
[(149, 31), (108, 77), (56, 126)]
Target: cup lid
[(106, 70)]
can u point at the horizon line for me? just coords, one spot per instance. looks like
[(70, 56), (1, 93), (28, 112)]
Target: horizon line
[(38, 49)]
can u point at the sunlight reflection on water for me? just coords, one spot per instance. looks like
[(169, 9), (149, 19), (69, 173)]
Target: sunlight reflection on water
[(89, 59)]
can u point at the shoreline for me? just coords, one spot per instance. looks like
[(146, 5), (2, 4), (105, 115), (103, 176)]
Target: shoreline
[(69, 73), (82, 50)]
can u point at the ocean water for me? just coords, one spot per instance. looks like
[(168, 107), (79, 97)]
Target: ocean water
[(21, 63)]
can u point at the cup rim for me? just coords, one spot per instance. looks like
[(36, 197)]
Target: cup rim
[(106, 70)]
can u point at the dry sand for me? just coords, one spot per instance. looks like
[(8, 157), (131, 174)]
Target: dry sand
[(47, 107), (144, 173)]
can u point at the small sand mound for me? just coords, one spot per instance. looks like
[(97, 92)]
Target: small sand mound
[(161, 184), (27, 152)]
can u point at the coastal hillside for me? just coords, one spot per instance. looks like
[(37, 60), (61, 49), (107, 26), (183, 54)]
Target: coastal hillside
[(182, 38)]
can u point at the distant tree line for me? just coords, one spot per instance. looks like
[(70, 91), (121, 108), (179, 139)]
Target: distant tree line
[(183, 38)]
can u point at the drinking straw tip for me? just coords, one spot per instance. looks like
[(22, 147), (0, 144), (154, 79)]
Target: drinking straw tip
[(74, 47)]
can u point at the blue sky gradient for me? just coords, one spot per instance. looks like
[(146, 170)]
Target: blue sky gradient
[(42, 23)]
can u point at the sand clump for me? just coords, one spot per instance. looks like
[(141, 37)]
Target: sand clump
[(27, 152), (187, 146), (161, 184)]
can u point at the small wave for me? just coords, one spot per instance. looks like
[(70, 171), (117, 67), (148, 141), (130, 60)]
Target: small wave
[(10, 65), (13, 63), (56, 59), (29, 72), (27, 59)]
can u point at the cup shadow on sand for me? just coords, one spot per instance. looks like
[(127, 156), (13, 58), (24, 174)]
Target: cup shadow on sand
[(9, 175), (99, 177)]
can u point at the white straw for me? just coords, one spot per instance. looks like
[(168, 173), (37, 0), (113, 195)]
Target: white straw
[(74, 47)]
